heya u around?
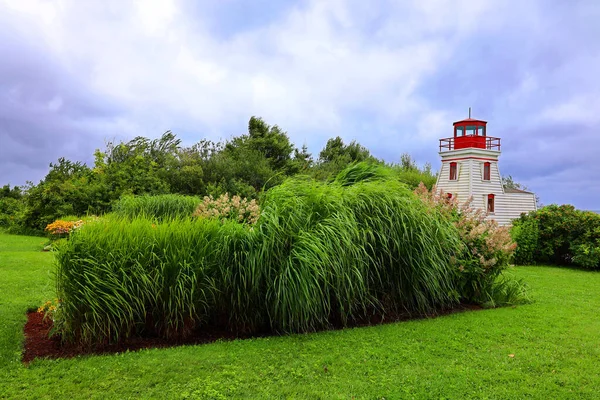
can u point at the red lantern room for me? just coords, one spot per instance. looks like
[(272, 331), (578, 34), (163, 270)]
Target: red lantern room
[(470, 133)]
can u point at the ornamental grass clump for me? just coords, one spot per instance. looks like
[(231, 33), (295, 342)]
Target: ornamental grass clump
[(118, 278), (319, 255), (161, 207), (350, 251)]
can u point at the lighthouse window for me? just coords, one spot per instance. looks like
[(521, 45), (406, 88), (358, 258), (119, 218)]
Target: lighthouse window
[(452, 171), (471, 130), (490, 203), (486, 171), (460, 131), (481, 130)]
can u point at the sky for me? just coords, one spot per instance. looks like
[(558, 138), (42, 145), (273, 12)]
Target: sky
[(392, 75)]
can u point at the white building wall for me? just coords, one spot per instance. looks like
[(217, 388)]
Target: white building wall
[(511, 205), (470, 182), (459, 187)]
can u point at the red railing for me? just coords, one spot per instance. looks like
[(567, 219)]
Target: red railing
[(471, 141)]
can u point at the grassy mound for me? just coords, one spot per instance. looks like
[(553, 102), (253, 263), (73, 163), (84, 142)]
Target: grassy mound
[(319, 254)]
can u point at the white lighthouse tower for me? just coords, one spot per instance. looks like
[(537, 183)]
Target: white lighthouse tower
[(470, 170)]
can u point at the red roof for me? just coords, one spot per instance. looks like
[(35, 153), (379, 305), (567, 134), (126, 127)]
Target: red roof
[(469, 120)]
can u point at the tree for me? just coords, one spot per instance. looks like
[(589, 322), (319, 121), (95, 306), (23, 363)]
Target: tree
[(336, 150), (184, 174), (67, 189), (407, 163), (272, 142), (6, 192), (11, 206), (138, 166), (509, 183), (302, 161), (336, 156)]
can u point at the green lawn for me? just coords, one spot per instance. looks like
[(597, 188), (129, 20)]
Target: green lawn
[(555, 342)]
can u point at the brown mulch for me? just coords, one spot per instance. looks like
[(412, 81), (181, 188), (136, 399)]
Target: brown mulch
[(39, 345)]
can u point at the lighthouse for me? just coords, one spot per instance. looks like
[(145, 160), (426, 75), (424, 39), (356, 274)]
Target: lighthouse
[(470, 170)]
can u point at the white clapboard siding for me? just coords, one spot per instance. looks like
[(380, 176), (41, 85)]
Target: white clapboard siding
[(459, 187), (470, 184), (511, 205)]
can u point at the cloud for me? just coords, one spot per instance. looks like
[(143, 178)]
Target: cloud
[(392, 75)]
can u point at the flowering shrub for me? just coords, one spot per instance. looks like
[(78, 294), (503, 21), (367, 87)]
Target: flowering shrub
[(60, 228), (225, 207), (487, 246)]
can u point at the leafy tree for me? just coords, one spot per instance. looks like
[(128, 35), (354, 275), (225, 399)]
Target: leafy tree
[(336, 150), (244, 165), (508, 182), (11, 206), (138, 166), (14, 193), (302, 161), (272, 142), (409, 172), (235, 165), (184, 173), (67, 189), (336, 156), (407, 163)]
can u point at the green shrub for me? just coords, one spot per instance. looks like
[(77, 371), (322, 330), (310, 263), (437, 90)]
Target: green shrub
[(587, 255), (586, 248), (233, 186), (10, 212), (558, 227), (166, 206), (320, 254), (12, 218), (413, 178), (526, 234), (565, 236)]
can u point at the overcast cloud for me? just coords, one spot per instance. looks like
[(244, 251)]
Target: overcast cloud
[(393, 75)]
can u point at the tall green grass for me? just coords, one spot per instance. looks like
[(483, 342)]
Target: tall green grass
[(119, 277), (320, 254), (166, 206)]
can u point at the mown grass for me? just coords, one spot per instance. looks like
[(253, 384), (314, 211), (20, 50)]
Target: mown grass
[(24, 278), (555, 343)]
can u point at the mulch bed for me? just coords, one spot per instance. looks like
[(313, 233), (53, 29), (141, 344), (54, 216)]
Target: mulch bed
[(39, 345)]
